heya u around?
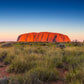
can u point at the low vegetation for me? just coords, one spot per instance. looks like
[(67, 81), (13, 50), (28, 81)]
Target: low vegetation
[(40, 63)]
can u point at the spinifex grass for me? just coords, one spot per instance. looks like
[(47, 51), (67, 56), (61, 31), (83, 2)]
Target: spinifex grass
[(38, 62)]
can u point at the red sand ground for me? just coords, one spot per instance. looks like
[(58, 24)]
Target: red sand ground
[(3, 71)]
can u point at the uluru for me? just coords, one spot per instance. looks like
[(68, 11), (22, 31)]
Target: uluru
[(43, 37)]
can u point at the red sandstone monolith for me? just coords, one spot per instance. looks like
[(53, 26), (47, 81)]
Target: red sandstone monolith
[(43, 37)]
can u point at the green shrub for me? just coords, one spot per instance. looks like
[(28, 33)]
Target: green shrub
[(61, 45), (20, 66), (43, 74), (72, 75), (39, 50), (8, 60), (59, 64), (23, 80), (16, 79), (7, 44), (3, 55), (73, 59), (75, 82), (79, 44)]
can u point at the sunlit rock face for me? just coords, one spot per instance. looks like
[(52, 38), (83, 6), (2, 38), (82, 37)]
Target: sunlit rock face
[(43, 37)]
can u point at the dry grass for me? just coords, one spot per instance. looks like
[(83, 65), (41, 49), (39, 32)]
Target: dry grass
[(38, 59)]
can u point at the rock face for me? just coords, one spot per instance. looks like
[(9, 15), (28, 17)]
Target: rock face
[(43, 37)]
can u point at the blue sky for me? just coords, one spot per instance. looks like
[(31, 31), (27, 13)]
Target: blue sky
[(23, 16)]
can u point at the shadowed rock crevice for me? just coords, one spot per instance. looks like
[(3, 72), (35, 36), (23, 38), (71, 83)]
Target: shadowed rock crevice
[(26, 38), (54, 38)]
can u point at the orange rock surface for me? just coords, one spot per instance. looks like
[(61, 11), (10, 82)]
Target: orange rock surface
[(43, 37)]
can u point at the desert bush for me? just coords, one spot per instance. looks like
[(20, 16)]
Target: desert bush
[(35, 76), (17, 50), (39, 50), (80, 74), (43, 74), (3, 55), (23, 80), (76, 74), (59, 64), (73, 59), (72, 75), (7, 60), (79, 44), (75, 82), (16, 79), (61, 45), (56, 61), (9, 44), (21, 65)]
